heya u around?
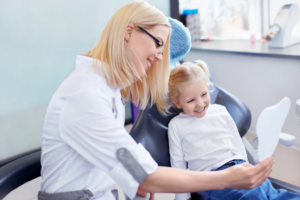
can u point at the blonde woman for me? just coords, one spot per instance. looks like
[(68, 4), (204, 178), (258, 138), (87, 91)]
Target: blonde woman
[(86, 150)]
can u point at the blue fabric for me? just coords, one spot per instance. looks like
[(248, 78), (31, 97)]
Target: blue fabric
[(180, 42), (230, 164), (265, 191)]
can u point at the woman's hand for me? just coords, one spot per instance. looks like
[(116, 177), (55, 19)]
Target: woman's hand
[(151, 196), (144, 194), (245, 176), (172, 180)]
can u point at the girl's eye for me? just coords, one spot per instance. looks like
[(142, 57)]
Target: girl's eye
[(191, 101), (204, 94)]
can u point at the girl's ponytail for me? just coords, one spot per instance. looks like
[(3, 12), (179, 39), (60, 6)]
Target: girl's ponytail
[(204, 66)]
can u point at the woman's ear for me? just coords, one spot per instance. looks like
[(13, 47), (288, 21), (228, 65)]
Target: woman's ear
[(175, 102), (128, 32)]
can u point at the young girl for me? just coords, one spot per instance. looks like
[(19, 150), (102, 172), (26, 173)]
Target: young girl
[(204, 137)]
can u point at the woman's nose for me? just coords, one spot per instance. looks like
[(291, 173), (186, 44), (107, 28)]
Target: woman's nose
[(158, 56)]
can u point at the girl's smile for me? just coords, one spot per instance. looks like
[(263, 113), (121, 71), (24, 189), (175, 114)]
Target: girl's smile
[(200, 111)]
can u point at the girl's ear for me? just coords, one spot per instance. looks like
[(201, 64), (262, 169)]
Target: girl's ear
[(128, 32), (175, 102)]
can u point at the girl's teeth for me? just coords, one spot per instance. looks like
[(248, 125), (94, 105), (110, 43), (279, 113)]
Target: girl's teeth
[(200, 110)]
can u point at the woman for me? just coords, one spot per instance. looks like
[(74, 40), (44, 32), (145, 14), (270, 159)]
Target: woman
[(86, 150)]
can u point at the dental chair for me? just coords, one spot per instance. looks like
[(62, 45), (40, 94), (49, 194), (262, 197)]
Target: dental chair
[(18, 172), (151, 130)]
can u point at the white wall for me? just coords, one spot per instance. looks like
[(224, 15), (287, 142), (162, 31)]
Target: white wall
[(259, 81), (39, 41)]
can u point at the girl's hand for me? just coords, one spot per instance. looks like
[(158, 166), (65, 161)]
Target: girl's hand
[(245, 176)]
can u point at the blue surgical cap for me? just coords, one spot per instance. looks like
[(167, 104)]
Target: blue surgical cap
[(180, 42)]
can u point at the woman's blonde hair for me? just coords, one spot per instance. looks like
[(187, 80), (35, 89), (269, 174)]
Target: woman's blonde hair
[(186, 74), (114, 55)]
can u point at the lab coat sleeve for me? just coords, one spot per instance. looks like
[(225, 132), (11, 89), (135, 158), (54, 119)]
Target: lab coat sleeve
[(238, 140), (88, 125), (176, 155)]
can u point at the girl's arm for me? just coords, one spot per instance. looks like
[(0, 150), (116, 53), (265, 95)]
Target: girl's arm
[(175, 149), (238, 140), (176, 155), (172, 180)]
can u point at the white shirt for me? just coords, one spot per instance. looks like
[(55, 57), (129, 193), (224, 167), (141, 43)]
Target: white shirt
[(204, 143), (83, 128)]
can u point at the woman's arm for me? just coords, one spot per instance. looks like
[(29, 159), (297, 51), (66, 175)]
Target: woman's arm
[(244, 176)]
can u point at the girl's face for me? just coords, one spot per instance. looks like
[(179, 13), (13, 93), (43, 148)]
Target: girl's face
[(144, 49), (194, 99)]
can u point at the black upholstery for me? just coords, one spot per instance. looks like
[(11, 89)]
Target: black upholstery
[(18, 172)]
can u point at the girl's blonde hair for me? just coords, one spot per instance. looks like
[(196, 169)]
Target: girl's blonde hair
[(186, 74), (114, 55)]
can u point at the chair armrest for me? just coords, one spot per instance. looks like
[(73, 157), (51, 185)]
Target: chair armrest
[(286, 139), (251, 152), (18, 172)]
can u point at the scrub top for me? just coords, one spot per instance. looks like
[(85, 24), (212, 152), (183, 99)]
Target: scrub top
[(83, 129)]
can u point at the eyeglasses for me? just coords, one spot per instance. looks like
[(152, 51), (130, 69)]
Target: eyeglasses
[(159, 43)]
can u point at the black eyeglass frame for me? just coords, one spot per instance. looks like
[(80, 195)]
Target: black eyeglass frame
[(159, 43)]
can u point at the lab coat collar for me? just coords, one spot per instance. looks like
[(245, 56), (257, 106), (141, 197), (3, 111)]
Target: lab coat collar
[(83, 61), (86, 61)]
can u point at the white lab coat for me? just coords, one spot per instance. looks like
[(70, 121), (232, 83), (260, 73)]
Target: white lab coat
[(83, 128)]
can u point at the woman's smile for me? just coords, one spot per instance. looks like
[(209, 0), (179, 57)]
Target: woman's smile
[(144, 56), (149, 63)]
